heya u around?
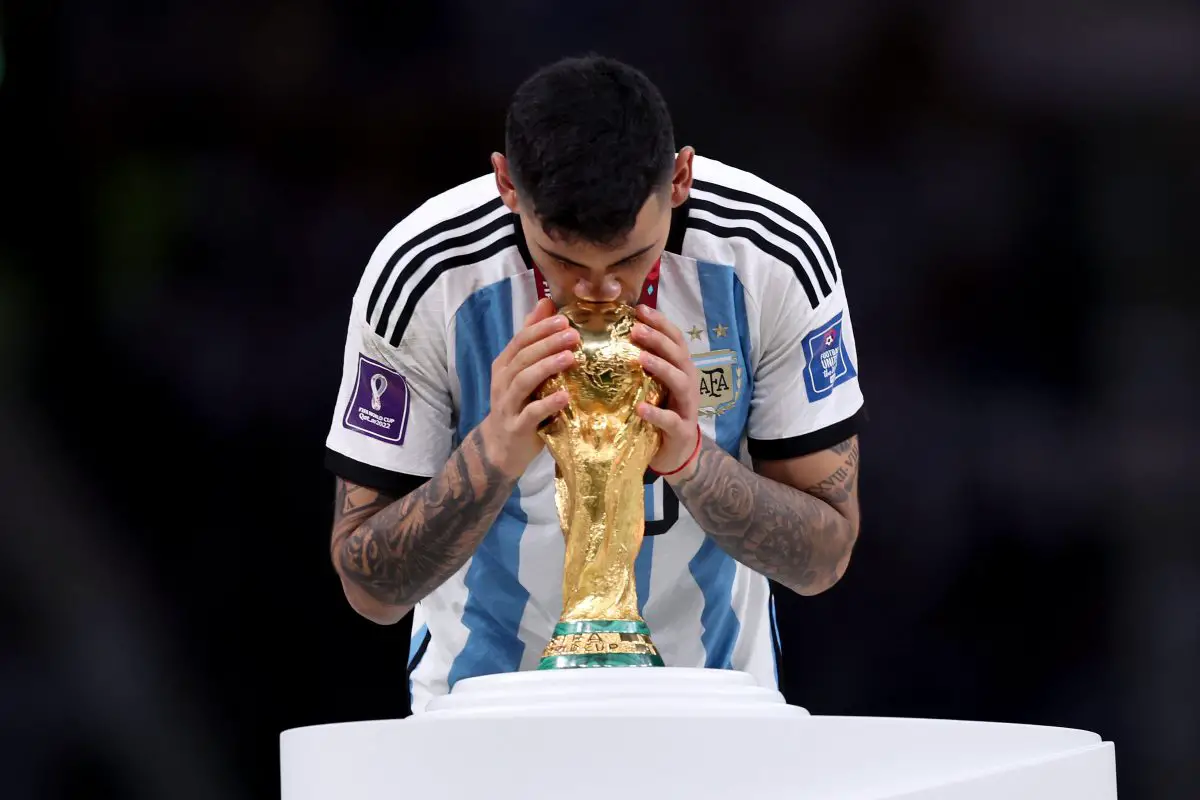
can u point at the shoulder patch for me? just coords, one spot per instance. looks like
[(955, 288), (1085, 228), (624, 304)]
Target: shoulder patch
[(827, 363), (380, 403)]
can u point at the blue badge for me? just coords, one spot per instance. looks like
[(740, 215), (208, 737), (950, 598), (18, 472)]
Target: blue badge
[(827, 363)]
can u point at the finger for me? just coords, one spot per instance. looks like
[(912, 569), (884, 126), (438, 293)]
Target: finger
[(538, 328), (543, 319), (542, 309), (656, 342), (658, 320), (554, 343), (529, 379), (679, 383), (539, 410), (662, 418)]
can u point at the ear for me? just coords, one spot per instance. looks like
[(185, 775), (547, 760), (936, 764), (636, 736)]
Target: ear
[(681, 179), (504, 182)]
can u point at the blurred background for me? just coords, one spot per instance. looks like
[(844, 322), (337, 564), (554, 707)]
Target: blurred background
[(194, 189)]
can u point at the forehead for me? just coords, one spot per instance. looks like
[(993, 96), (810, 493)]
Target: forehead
[(644, 232)]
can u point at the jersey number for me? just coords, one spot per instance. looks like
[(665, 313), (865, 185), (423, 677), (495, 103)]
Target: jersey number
[(655, 487)]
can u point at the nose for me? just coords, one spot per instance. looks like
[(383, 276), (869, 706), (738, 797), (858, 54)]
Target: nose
[(603, 289)]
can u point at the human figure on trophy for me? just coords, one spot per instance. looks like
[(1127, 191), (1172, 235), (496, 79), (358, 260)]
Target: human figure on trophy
[(595, 403)]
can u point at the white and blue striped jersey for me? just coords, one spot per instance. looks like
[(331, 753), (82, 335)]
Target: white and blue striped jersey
[(749, 275)]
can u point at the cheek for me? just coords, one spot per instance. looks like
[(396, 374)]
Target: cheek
[(631, 292), (561, 296), (632, 284), (559, 282), (562, 289)]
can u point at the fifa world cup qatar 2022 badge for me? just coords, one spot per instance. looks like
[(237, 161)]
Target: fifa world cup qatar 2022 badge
[(379, 405), (827, 360)]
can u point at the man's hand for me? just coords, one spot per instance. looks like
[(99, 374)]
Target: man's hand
[(391, 554), (665, 356), (541, 349)]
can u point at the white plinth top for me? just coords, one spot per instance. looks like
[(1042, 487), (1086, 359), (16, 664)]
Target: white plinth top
[(679, 733), (640, 692)]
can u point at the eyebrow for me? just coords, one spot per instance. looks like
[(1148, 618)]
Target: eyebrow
[(573, 262)]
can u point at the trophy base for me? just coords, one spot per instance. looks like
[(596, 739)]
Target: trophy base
[(600, 643)]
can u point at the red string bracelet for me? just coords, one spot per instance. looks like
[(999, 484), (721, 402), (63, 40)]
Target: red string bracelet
[(699, 438)]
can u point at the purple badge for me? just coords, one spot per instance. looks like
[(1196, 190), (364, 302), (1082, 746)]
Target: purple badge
[(379, 407)]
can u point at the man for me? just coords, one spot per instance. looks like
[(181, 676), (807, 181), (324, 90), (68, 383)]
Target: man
[(445, 494)]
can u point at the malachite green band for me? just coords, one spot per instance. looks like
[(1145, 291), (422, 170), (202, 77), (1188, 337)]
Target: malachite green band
[(601, 660), (601, 626)]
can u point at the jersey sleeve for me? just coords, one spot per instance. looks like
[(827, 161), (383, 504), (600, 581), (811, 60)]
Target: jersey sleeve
[(392, 417), (806, 395)]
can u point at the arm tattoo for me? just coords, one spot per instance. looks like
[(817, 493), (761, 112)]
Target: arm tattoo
[(796, 538), (399, 551), (838, 488)]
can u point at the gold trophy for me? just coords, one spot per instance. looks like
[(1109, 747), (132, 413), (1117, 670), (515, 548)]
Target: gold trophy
[(601, 449)]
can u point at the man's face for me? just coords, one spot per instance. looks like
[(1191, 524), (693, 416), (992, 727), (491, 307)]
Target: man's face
[(587, 271), (580, 269)]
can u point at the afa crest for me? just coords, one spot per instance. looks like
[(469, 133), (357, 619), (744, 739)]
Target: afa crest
[(720, 381)]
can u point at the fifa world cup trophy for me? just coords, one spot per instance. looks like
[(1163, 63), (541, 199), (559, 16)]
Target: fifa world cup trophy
[(601, 449)]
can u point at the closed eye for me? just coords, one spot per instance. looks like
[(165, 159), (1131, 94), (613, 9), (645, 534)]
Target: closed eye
[(629, 262)]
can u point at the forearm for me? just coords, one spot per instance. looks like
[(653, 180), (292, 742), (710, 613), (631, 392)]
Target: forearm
[(791, 536), (409, 547)]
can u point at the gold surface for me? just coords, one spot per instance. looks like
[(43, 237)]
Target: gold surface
[(601, 449)]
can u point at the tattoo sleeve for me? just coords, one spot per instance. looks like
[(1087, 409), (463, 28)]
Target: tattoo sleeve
[(802, 539), (838, 488), (398, 551)]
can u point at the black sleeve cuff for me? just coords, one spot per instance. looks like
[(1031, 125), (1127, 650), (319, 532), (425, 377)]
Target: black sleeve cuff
[(395, 484), (809, 443)]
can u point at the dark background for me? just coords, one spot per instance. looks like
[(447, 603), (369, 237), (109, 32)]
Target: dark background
[(194, 188)]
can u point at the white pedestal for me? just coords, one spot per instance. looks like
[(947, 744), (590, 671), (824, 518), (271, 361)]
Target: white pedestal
[(679, 733)]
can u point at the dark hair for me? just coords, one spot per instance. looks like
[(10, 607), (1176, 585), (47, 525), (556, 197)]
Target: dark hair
[(588, 140)]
